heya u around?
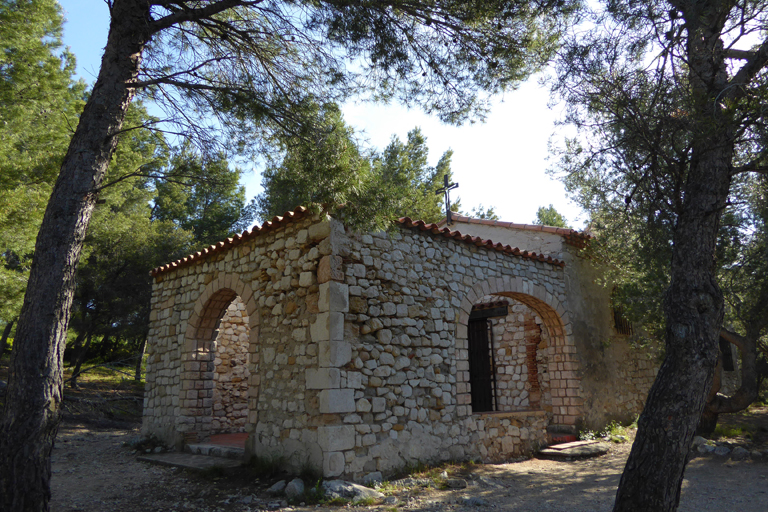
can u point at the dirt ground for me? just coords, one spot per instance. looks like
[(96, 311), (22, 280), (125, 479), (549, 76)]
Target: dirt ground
[(93, 471)]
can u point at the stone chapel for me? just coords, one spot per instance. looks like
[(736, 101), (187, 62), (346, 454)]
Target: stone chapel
[(358, 354)]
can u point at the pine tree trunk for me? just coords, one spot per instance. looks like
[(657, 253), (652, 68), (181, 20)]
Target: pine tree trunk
[(80, 359), (140, 358), (694, 309), (6, 334), (693, 304), (32, 408)]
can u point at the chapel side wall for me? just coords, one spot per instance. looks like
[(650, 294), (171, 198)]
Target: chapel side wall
[(408, 366), (616, 376), (275, 273), (231, 371), (163, 372)]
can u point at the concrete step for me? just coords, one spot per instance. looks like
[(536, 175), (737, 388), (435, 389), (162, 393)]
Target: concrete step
[(216, 450)]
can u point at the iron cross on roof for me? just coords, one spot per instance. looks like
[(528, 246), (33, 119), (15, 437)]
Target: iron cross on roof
[(446, 190)]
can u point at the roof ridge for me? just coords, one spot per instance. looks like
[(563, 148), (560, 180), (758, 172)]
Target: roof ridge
[(477, 241), (565, 232)]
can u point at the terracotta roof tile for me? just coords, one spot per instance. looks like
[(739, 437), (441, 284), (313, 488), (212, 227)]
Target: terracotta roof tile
[(300, 212), (276, 222), (570, 236), (476, 240)]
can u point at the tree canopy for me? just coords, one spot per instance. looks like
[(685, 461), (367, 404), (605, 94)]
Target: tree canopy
[(549, 216), (665, 97), (41, 103), (330, 167), (249, 63)]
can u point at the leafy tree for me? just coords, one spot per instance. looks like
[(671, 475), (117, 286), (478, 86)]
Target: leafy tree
[(324, 164), (743, 276), (481, 212), (248, 62), (404, 174), (41, 104), (202, 196), (548, 216), (666, 97)]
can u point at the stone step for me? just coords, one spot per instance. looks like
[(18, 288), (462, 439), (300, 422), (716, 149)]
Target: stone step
[(575, 450), (216, 450), (190, 461)]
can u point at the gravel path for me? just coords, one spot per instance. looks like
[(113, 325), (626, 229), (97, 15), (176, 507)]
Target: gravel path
[(94, 473)]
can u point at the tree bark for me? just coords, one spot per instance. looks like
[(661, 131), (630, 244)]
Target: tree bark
[(693, 304), (32, 408), (79, 359), (140, 358), (6, 334)]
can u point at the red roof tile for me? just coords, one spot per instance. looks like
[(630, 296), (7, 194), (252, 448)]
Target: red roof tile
[(275, 223), (571, 236), (300, 212), (476, 240)]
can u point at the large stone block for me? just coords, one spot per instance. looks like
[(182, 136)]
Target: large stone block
[(329, 269), (336, 400), (319, 231), (334, 354), (334, 297), (336, 437), (327, 326), (323, 378), (333, 464)]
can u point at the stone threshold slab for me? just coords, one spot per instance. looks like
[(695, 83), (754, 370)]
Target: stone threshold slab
[(576, 449), (216, 450), (190, 461)]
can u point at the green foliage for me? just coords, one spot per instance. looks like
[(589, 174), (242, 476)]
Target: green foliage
[(41, 104), (403, 174), (731, 431), (325, 165), (480, 212), (202, 195), (124, 243), (613, 431), (40, 101), (441, 57), (322, 164), (548, 216), (743, 252)]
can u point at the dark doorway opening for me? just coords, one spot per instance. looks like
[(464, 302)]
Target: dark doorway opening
[(482, 370)]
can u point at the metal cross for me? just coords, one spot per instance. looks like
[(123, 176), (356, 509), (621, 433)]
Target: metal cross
[(446, 190)]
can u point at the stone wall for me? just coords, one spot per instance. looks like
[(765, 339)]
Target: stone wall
[(522, 360), (357, 351), (407, 331), (231, 371), (275, 277), (615, 375)]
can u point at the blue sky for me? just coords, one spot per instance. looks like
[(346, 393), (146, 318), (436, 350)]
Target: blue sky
[(499, 163)]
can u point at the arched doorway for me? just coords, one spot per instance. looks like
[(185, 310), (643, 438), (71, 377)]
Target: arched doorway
[(220, 363), (532, 340)]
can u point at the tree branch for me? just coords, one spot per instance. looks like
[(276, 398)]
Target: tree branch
[(187, 14), (748, 71)]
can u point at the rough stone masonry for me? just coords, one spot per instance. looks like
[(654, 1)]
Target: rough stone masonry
[(355, 347)]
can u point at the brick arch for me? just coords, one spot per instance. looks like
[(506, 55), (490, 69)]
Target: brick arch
[(197, 357), (564, 366)]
